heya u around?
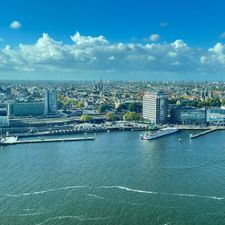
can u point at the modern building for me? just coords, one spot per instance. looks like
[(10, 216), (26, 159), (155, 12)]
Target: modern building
[(25, 109), (155, 107), (4, 121), (216, 116), (50, 102), (188, 115)]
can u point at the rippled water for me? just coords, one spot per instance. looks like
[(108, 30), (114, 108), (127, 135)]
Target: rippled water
[(118, 179)]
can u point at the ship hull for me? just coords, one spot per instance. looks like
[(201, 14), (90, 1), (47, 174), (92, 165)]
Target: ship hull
[(159, 134)]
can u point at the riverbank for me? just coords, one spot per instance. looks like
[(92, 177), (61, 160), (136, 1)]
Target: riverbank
[(97, 128), (85, 128)]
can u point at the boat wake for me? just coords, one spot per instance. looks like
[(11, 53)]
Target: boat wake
[(23, 214), (46, 191), (114, 187), (161, 193)]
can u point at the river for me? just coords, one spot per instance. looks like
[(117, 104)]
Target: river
[(117, 179)]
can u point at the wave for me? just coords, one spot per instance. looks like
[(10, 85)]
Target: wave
[(161, 193), (46, 191), (22, 214), (114, 187)]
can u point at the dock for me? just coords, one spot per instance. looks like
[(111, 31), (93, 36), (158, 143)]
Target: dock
[(34, 141), (192, 136)]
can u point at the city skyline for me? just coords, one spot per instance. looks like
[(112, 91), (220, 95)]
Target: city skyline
[(112, 40)]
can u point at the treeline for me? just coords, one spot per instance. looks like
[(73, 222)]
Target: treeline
[(211, 102)]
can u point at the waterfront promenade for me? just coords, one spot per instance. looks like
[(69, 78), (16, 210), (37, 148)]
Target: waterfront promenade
[(15, 142), (192, 136), (86, 128)]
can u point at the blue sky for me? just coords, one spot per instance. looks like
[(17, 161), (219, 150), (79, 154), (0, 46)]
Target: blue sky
[(190, 33)]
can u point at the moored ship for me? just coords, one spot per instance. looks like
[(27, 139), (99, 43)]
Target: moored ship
[(160, 133), (8, 140)]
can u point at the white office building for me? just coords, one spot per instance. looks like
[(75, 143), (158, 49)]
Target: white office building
[(155, 107)]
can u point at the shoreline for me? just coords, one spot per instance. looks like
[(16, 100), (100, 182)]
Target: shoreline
[(93, 128)]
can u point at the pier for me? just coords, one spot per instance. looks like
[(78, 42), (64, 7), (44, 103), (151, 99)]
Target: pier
[(46, 140), (192, 136)]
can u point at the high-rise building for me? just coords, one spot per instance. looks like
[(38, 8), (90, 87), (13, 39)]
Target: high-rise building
[(50, 102), (155, 107)]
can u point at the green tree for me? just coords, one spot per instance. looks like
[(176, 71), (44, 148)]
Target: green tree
[(135, 107), (104, 107), (223, 102), (80, 105), (85, 118), (122, 107), (131, 116), (110, 116)]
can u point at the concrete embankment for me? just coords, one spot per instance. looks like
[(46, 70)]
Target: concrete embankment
[(47, 140), (192, 136)]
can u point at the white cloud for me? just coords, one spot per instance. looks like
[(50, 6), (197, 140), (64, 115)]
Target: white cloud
[(154, 37), (78, 39), (216, 55), (179, 44), (93, 55), (15, 25)]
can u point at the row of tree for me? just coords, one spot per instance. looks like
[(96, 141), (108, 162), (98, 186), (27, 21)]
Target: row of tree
[(211, 102), (128, 116), (132, 107)]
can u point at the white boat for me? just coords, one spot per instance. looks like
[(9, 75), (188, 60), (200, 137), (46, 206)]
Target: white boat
[(159, 133), (8, 140)]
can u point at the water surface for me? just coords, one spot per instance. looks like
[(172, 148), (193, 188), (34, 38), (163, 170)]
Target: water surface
[(118, 179)]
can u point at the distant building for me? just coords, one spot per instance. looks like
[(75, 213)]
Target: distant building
[(50, 102), (4, 121), (26, 109), (206, 93), (3, 111), (155, 107), (216, 116), (188, 115)]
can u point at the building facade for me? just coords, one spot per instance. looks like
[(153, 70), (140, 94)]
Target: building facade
[(216, 116), (25, 109), (4, 121), (50, 102), (155, 107), (188, 115)]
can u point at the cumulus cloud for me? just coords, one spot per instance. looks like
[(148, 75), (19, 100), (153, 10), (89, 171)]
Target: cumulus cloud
[(98, 55), (78, 39), (15, 25), (154, 37)]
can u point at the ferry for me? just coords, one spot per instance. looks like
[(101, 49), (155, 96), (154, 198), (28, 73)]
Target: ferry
[(159, 133), (8, 140)]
